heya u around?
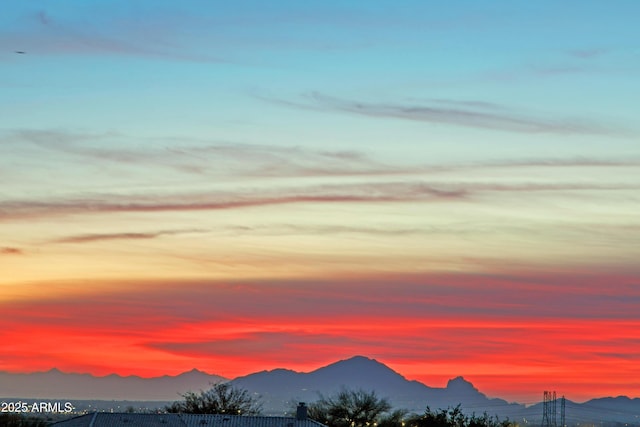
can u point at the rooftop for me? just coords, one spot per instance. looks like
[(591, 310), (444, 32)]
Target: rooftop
[(108, 419)]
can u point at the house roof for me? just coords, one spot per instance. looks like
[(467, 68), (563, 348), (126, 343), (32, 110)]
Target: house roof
[(109, 419)]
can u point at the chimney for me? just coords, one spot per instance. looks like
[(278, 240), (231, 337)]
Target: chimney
[(301, 412)]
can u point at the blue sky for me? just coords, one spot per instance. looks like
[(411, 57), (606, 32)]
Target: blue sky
[(547, 58)]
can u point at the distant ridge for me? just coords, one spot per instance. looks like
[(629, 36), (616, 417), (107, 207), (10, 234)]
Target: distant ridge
[(54, 384)]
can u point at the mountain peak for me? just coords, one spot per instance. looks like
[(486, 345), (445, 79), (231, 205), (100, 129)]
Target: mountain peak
[(357, 364), (365, 372), (459, 383), (196, 374), (359, 359)]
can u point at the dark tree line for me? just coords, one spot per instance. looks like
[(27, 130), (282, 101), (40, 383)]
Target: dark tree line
[(359, 408), (453, 417), (346, 408), (20, 420)]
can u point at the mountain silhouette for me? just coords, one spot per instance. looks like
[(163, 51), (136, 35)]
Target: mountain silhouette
[(281, 389), (360, 372)]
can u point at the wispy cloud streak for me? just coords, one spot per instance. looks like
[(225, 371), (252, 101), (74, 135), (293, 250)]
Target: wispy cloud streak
[(242, 161), (589, 53), (474, 114), (89, 238), (370, 193), (205, 157), (382, 192)]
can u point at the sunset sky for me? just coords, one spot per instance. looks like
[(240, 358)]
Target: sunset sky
[(451, 188)]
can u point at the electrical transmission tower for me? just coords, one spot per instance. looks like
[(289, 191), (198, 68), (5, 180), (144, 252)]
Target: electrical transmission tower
[(550, 410)]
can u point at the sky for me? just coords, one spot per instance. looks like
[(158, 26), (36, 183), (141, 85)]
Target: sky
[(451, 188)]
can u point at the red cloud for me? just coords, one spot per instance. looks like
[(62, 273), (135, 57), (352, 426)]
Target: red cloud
[(10, 251), (489, 328)]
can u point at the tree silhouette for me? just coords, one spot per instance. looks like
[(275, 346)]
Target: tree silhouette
[(222, 398), (349, 408)]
